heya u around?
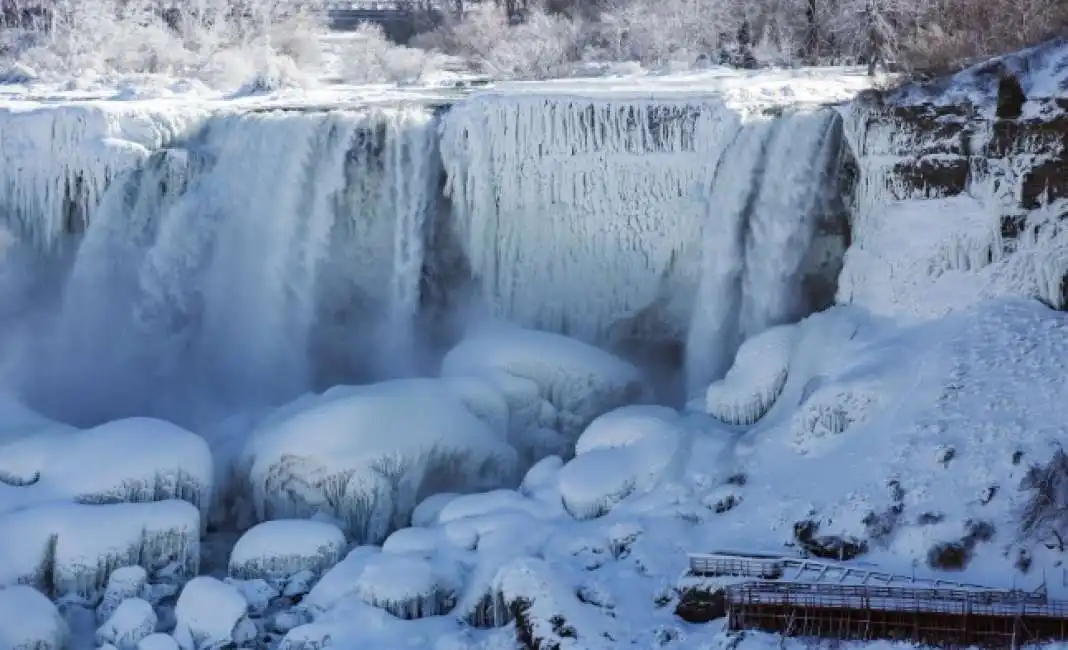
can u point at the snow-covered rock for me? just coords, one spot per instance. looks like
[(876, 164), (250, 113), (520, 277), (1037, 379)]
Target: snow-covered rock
[(74, 547), (756, 378), (158, 641), (407, 586), (123, 583), (276, 550), (368, 455), (160, 461), (551, 382), (211, 614), (29, 621), (132, 621)]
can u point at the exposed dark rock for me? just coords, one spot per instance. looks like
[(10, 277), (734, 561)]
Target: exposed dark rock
[(701, 605), (938, 177), (828, 547), (1011, 96), (949, 556)]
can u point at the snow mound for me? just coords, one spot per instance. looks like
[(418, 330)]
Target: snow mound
[(367, 455), (158, 642), (132, 621), (756, 378), (29, 621), (72, 549), (160, 461), (211, 614), (545, 610), (18, 422), (426, 513), (123, 583), (276, 550), (567, 383), (407, 586), (623, 453)]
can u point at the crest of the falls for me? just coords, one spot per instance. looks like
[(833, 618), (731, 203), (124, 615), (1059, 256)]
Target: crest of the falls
[(267, 249)]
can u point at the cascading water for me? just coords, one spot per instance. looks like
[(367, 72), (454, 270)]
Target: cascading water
[(211, 268), (262, 254)]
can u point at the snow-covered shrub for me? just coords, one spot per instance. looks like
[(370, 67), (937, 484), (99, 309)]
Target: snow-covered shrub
[(211, 614), (367, 455), (132, 621), (369, 57), (29, 621), (46, 546), (551, 382), (277, 550), (830, 412), (755, 380), (540, 46)]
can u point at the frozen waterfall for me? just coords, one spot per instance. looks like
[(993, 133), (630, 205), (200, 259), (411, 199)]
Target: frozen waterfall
[(236, 258), (245, 259)]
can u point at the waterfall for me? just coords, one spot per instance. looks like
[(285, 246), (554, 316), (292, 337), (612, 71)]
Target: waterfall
[(231, 263)]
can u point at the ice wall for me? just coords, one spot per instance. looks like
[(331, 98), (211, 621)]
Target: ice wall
[(242, 262), (609, 219)]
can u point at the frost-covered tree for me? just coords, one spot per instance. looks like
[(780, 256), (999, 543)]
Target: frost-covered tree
[(1045, 514)]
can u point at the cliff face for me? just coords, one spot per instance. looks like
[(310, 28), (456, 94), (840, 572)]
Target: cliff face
[(995, 188)]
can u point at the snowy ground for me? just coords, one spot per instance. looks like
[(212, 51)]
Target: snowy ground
[(902, 419)]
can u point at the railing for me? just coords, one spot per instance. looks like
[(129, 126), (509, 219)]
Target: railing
[(900, 599)]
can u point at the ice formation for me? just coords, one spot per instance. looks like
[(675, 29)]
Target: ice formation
[(132, 621), (160, 461), (29, 621), (158, 641), (123, 584), (407, 586), (65, 548), (177, 283), (211, 614), (551, 382), (277, 550), (756, 378), (368, 455)]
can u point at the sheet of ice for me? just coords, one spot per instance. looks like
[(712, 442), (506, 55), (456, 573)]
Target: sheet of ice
[(159, 461), (369, 454), (277, 550), (29, 621), (72, 549), (211, 614)]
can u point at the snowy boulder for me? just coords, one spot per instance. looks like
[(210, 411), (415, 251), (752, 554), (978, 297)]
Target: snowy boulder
[(623, 453), (29, 621), (275, 550), (830, 412), (160, 461), (755, 380), (132, 620), (368, 455), (550, 381), (158, 642), (68, 548), (211, 614), (426, 513), (123, 583), (408, 586), (542, 476)]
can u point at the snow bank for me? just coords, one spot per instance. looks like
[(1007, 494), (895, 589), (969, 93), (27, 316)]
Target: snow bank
[(276, 550), (367, 455), (211, 614), (124, 583), (574, 382), (756, 378), (73, 548), (159, 461), (29, 621)]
